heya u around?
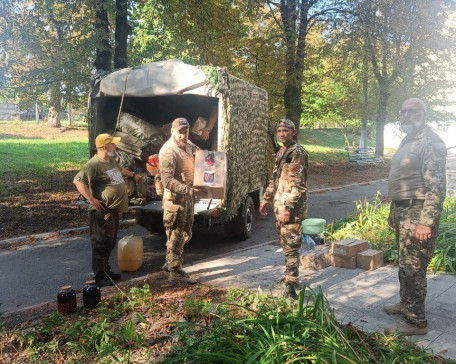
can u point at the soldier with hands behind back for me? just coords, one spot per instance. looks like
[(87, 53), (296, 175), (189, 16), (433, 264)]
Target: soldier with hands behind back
[(100, 182)]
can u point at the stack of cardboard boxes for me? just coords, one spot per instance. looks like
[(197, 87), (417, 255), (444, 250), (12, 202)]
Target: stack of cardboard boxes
[(347, 253)]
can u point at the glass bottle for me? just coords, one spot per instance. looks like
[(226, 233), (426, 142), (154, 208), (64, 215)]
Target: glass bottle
[(66, 300), (91, 294)]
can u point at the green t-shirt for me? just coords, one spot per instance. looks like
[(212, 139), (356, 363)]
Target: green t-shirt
[(105, 183)]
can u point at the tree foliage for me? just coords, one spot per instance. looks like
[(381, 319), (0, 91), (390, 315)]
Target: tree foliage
[(321, 61), (47, 51)]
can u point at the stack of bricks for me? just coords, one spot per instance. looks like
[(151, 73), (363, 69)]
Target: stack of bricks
[(353, 253), (343, 253), (347, 253)]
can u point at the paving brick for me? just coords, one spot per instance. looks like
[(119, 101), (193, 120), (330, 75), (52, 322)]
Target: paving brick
[(370, 259), (317, 258)]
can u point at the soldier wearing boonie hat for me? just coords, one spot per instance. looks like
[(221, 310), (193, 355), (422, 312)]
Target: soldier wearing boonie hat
[(287, 193), (176, 160)]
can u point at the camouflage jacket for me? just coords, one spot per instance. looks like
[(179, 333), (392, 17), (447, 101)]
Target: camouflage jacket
[(287, 187), (176, 167), (418, 168)]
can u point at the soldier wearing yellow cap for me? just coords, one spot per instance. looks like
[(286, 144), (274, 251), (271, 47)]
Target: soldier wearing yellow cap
[(177, 160), (287, 193), (100, 182)]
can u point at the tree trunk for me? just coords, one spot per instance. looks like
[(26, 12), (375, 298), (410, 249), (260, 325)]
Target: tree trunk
[(121, 34), (295, 33), (103, 49), (363, 139), (381, 120), (55, 106)]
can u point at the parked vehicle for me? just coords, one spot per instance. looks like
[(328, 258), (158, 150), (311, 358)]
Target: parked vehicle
[(159, 92)]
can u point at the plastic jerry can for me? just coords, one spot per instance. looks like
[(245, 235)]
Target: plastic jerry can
[(130, 253)]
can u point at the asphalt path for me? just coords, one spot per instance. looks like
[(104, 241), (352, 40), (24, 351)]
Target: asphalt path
[(33, 273)]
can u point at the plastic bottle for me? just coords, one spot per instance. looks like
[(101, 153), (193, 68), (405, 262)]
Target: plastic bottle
[(91, 294), (66, 300), (130, 253), (307, 243)]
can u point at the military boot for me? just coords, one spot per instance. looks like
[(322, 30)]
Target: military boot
[(286, 290), (178, 270), (176, 277), (393, 308), (290, 291), (404, 328)]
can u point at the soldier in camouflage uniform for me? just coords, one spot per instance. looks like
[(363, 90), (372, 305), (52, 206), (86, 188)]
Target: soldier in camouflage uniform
[(417, 187), (177, 159), (287, 192)]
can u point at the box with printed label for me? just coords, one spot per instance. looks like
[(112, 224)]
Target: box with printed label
[(210, 174), (369, 259), (316, 259), (348, 247)]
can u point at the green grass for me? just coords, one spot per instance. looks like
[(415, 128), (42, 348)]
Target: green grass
[(246, 327), (26, 158), (252, 328), (370, 223), (325, 145)]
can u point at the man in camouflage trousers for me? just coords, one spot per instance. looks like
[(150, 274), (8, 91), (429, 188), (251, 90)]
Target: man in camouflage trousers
[(287, 192), (177, 160), (417, 187)]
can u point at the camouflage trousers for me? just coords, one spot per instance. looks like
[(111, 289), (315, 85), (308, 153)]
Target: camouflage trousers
[(290, 236), (103, 234), (178, 222), (414, 257)]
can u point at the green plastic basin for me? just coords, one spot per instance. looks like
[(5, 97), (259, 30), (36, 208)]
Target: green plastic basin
[(313, 226)]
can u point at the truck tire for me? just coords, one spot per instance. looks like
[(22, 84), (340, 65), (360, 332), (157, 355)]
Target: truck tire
[(241, 225), (153, 222)]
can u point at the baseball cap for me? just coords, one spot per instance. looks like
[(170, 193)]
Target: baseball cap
[(103, 139), (180, 123), (286, 123)]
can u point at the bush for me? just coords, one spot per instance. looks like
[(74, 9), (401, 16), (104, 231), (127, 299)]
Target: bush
[(370, 223)]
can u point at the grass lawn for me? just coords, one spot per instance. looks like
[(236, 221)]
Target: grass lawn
[(36, 173), (325, 145)]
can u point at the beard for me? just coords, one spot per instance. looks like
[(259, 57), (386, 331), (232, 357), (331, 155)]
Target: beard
[(411, 128), (181, 143), (112, 154)]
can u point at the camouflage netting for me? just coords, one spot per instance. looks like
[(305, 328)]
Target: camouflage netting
[(247, 135), (246, 139)]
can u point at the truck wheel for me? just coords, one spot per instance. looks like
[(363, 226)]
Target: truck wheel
[(242, 224), (153, 222)]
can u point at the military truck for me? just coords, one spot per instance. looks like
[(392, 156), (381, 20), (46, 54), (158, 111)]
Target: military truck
[(159, 92)]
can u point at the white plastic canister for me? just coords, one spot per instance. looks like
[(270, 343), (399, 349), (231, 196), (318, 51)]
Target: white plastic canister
[(130, 253)]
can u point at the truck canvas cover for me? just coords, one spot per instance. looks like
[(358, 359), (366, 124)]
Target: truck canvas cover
[(159, 92)]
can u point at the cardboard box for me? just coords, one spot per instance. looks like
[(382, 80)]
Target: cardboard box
[(343, 262), (348, 247), (370, 259), (210, 174), (316, 259)]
